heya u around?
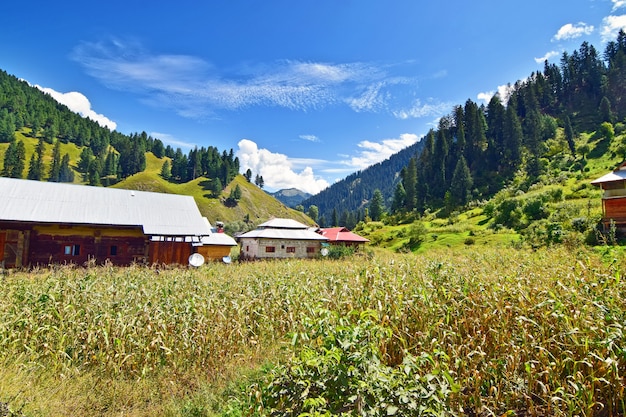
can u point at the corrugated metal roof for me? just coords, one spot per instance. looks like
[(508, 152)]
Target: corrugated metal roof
[(282, 229), (46, 202), (342, 234), (283, 224), (617, 175)]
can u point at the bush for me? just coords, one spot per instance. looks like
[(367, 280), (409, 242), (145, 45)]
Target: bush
[(337, 368)]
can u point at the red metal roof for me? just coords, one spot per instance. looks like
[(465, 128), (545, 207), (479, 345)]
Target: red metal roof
[(341, 234)]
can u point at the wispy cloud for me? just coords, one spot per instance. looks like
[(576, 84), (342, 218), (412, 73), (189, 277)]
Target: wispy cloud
[(611, 25), (173, 141), (547, 57), (418, 110), (79, 103), (310, 138), (573, 31), (195, 88)]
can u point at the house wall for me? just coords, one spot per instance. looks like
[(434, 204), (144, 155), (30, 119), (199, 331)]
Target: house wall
[(615, 208), (213, 252), (24, 244), (79, 244), (279, 248), (169, 252)]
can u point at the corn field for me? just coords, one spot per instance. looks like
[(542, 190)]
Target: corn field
[(517, 332)]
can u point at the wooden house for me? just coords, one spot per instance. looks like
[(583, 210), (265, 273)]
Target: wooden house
[(43, 223), (217, 245), (342, 236), (280, 238), (613, 186)]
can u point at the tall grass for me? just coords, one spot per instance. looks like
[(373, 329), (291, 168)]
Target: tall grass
[(535, 332)]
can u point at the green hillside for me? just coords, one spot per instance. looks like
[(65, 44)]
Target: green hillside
[(562, 208), (255, 204), (30, 144)]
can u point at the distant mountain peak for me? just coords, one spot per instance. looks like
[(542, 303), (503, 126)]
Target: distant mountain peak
[(290, 197)]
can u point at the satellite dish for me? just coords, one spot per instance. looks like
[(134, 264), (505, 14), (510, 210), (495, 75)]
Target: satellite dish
[(195, 259), (226, 259), (324, 251)]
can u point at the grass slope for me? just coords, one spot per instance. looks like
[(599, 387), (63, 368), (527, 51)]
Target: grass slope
[(567, 177), (30, 144), (254, 202)]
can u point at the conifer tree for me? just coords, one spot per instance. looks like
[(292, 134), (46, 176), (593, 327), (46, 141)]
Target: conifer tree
[(14, 160), (410, 182), (66, 174), (55, 167), (377, 206), (460, 189)]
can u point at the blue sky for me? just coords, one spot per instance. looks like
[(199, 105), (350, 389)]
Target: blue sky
[(305, 92)]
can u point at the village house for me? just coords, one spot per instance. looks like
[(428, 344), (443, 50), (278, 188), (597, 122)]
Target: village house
[(614, 197), (280, 238), (43, 223), (217, 245), (342, 236)]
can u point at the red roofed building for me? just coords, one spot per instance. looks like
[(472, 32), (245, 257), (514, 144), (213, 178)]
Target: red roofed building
[(342, 236)]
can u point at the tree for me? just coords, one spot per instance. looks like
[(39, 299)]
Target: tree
[(55, 167), (235, 194), (259, 181), (14, 160), (35, 167), (569, 135), (86, 155), (65, 172), (248, 175), (313, 212), (377, 206), (461, 183), (410, 183), (399, 198), (166, 170)]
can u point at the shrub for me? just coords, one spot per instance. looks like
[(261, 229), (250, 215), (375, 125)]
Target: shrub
[(338, 368)]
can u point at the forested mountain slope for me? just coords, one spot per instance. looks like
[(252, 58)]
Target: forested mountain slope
[(477, 150)]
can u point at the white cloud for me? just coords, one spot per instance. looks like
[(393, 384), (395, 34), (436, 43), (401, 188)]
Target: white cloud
[(618, 4), (503, 91), (171, 140), (277, 169), (547, 57), (419, 110), (374, 152), (611, 25), (78, 103), (573, 31)]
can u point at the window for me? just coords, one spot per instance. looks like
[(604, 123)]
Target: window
[(71, 250), (113, 250), (310, 249), (270, 249), (291, 249)]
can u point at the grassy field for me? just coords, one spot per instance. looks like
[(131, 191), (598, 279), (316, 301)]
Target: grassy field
[(480, 331)]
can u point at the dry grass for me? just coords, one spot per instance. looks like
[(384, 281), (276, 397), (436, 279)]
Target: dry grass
[(518, 330)]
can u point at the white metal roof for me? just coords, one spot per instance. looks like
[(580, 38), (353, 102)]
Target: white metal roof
[(617, 175), (287, 229), (47, 202), (283, 224), (287, 234)]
